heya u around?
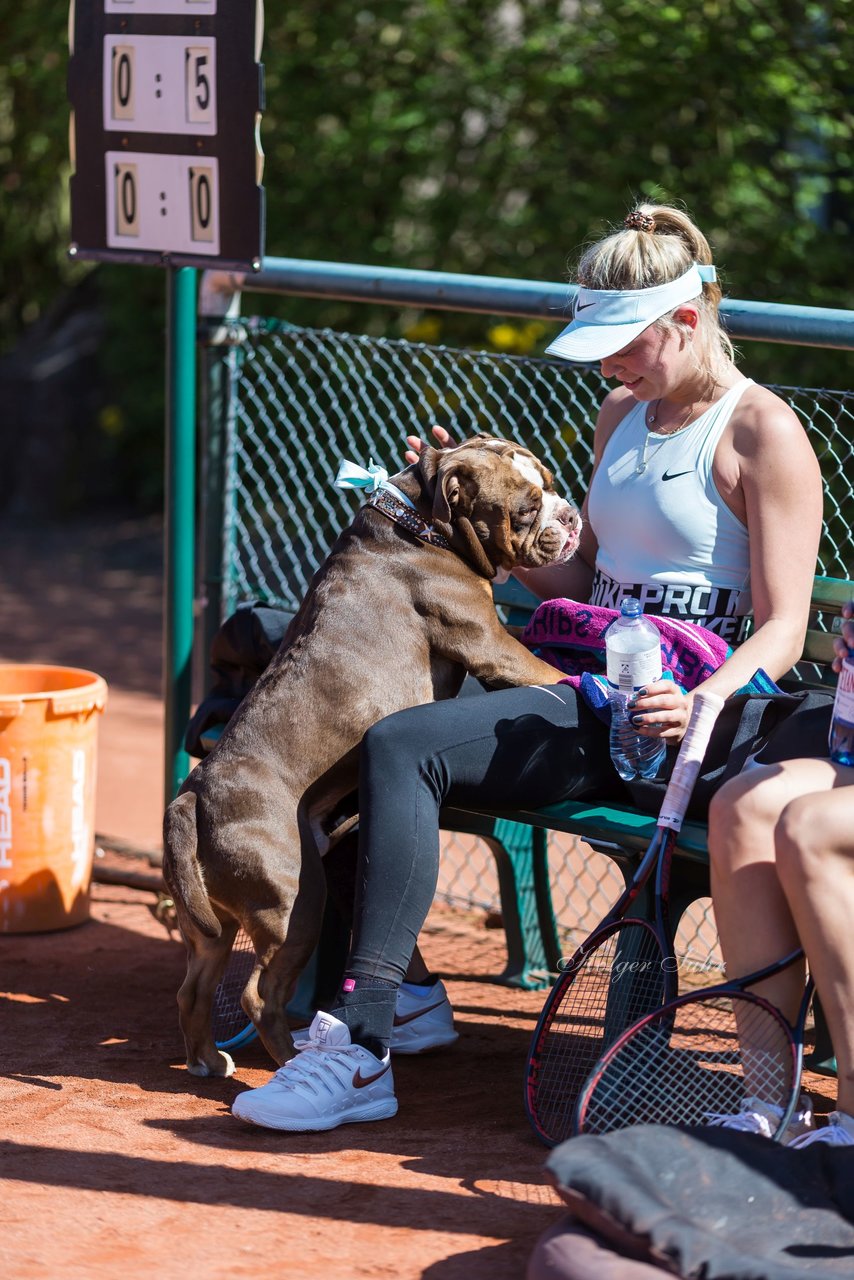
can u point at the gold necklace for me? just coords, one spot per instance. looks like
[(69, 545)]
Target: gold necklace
[(651, 418)]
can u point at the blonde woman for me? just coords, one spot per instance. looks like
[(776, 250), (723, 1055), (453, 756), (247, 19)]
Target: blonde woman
[(705, 502)]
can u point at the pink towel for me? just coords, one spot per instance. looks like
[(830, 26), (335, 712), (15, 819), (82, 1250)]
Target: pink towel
[(571, 636)]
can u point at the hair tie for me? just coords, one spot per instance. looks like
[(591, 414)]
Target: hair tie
[(638, 221)]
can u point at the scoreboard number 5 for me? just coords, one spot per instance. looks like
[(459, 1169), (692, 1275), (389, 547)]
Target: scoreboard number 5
[(198, 85), (203, 203)]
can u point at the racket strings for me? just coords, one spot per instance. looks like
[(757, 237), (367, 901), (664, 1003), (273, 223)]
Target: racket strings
[(701, 1063), (228, 1018), (617, 983)]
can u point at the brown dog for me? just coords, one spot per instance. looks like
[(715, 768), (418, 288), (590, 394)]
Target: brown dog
[(395, 617)]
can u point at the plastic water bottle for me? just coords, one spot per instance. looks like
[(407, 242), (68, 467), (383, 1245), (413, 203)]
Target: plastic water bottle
[(841, 739), (633, 659)]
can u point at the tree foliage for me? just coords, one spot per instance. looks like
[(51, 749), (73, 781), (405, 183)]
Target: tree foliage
[(496, 137), (487, 137), (33, 162)]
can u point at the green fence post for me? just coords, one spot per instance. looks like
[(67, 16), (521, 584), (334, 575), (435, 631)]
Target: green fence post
[(180, 504), (219, 335)]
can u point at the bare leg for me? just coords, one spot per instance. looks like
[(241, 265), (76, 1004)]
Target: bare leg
[(815, 860), (754, 922)]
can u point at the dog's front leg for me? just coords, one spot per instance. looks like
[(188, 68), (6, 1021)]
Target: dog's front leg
[(502, 662)]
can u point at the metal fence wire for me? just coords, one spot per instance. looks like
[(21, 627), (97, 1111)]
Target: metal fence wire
[(297, 401)]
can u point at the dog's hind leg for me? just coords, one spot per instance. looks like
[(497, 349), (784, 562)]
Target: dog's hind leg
[(206, 961), (207, 938)]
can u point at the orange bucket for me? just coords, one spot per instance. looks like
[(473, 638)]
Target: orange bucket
[(48, 746)]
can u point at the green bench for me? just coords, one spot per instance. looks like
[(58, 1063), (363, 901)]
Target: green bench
[(518, 839)]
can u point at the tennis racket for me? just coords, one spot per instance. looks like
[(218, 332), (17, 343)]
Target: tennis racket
[(624, 969), (231, 1027), (701, 1059)]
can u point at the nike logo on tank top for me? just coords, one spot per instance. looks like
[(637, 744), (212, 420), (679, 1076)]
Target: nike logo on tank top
[(665, 534)]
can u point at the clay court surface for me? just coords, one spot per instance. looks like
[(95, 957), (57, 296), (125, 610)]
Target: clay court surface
[(113, 1161)]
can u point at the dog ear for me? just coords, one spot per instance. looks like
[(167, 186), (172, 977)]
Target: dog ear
[(455, 490), (452, 505), (428, 465)]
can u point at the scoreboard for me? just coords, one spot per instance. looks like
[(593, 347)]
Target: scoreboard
[(166, 99)]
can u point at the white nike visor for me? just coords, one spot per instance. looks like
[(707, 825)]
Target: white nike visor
[(607, 320)]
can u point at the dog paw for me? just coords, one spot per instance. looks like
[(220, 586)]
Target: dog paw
[(223, 1067)]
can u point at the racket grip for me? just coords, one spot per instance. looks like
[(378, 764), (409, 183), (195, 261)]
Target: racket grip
[(705, 710)]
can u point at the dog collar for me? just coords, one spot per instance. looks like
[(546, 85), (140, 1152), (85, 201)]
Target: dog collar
[(388, 499), (406, 516)]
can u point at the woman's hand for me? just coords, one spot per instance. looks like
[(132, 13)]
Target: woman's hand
[(844, 645), (416, 444), (660, 710)]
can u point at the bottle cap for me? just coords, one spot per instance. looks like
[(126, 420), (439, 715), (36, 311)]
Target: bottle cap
[(630, 607)]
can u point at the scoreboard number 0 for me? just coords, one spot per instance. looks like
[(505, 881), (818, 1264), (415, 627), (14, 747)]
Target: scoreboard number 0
[(203, 203), (126, 199), (123, 82)]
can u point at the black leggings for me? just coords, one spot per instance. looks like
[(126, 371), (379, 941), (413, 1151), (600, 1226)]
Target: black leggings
[(529, 746)]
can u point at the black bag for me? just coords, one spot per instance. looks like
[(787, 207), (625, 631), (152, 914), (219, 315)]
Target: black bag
[(241, 650), (766, 727), (713, 1203)]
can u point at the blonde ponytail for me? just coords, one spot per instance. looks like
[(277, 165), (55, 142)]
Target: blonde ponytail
[(656, 244)]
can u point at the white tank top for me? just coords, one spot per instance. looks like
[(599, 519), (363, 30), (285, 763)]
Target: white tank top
[(665, 534)]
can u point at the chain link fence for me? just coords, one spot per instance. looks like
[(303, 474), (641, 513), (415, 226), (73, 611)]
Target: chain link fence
[(293, 402)]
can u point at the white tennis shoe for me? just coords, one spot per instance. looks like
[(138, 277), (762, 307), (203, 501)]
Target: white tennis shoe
[(764, 1118), (329, 1082), (423, 1020), (838, 1132)]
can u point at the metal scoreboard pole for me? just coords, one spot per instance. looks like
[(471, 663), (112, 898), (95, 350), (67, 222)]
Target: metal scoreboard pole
[(166, 99), (180, 520)]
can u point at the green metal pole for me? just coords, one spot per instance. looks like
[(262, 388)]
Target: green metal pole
[(180, 518)]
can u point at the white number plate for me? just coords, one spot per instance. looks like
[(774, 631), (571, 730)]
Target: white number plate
[(160, 84), (160, 6), (169, 204)]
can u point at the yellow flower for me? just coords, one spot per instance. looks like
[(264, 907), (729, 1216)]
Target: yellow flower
[(518, 339), (504, 337)]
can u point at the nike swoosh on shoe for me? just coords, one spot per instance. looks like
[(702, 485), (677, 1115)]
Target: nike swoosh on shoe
[(360, 1081), (401, 1019)]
